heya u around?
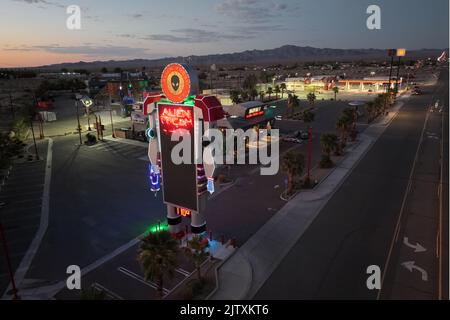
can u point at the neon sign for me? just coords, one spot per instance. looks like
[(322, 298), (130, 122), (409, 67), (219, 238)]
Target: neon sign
[(172, 118), (254, 112), (183, 212)]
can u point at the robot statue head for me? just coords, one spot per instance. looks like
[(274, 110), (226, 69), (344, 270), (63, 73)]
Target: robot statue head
[(175, 81)]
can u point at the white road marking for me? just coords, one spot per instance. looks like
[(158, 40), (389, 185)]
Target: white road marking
[(31, 252), (139, 278), (411, 265)]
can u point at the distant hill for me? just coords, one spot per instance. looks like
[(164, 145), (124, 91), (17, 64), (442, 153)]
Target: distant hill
[(287, 53)]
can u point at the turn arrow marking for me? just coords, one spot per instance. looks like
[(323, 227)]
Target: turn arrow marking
[(417, 247), (411, 265)]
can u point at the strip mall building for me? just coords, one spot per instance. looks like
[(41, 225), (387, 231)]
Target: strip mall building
[(318, 83)]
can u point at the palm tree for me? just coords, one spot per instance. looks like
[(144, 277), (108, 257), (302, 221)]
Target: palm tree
[(293, 164), (277, 91), (157, 256), (371, 111), (329, 142), (336, 91), (244, 95), (308, 117), (261, 95), (343, 125), (292, 102), (311, 97), (196, 251), (283, 89), (353, 115), (253, 93), (269, 91), (234, 96)]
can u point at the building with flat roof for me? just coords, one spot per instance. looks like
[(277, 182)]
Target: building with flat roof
[(247, 115)]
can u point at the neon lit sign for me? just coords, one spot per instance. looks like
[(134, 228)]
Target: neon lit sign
[(172, 118), (183, 212), (254, 112)]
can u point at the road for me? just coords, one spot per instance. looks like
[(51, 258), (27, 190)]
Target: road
[(354, 230)]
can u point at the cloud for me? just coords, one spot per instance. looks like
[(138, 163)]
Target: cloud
[(41, 3), (252, 11), (192, 35), (86, 50)]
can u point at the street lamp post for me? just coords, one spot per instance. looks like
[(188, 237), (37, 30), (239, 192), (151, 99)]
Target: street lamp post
[(78, 120), (398, 75), (110, 115), (88, 116), (8, 262), (34, 138)]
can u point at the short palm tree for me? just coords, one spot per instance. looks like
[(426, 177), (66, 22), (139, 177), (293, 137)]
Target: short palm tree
[(253, 93), (329, 143), (343, 125), (336, 91), (269, 91), (196, 251), (311, 98), (308, 117), (292, 102), (283, 89), (234, 96), (277, 90), (261, 95), (157, 256), (293, 164)]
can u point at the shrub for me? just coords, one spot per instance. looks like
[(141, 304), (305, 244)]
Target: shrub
[(91, 139), (326, 162)]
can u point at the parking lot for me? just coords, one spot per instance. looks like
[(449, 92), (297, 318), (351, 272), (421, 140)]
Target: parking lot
[(20, 210)]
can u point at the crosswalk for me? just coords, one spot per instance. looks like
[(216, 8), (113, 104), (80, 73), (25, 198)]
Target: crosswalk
[(122, 149)]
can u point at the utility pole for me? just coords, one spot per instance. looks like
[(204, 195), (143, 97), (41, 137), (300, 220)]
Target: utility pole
[(11, 104)]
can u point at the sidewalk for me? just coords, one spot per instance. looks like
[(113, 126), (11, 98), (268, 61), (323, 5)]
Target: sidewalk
[(243, 274)]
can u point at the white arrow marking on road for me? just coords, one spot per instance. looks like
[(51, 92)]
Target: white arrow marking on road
[(410, 265), (417, 247)]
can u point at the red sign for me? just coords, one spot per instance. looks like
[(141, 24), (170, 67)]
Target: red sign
[(176, 82), (172, 118), (183, 212), (254, 112)]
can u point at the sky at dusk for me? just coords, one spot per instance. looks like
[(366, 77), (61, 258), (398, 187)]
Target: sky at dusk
[(34, 32)]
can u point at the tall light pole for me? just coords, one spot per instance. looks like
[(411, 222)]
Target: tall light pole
[(34, 138), (110, 114), (8, 262), (78, 120)]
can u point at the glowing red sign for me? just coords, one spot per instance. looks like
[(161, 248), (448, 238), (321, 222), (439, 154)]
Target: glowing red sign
[(254, 112), (183, 212), (172, 118)]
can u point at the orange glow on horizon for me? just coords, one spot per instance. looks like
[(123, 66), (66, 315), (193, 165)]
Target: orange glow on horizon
[(10, 59)]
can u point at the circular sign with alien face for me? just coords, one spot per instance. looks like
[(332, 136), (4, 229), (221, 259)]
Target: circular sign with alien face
[(177, 82)]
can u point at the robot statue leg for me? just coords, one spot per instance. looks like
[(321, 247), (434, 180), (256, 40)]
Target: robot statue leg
[(173, 220)]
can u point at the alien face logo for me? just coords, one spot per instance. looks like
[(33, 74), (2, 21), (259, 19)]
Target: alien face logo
[(175, 81)]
